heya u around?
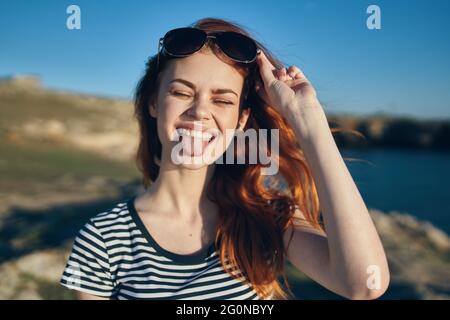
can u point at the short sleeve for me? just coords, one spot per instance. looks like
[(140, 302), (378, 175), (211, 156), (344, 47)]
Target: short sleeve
[(88, 267)]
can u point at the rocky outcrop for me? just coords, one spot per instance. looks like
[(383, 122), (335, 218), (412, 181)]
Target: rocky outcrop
[(20, 82), (418, 255)]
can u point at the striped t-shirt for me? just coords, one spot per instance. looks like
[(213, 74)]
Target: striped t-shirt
[(114, 255)]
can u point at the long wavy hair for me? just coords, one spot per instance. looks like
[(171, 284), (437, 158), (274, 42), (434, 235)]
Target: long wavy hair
[(254, 210)]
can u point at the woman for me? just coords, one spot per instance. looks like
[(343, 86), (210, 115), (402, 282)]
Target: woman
[(209, 229)]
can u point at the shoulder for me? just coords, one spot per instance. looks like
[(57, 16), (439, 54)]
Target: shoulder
[(102, 223), (89, 265), (115, 214), (101, 233)]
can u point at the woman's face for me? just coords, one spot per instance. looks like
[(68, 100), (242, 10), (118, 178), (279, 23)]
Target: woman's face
[(200, 91)]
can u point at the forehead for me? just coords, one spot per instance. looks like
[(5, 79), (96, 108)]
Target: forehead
[(204, 69)]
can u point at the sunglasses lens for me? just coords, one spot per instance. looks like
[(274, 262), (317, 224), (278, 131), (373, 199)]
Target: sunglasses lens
[(184, 41), (237, 46)]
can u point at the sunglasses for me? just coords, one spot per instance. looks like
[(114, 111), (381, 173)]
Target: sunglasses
[(182, 42)]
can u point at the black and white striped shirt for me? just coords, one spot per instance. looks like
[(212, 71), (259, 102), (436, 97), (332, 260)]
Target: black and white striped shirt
[(114, 255)]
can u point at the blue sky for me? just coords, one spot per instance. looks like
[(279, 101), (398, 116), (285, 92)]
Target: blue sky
[(402, 69)]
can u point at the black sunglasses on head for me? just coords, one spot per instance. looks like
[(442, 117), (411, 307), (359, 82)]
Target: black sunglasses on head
[(182, 42)]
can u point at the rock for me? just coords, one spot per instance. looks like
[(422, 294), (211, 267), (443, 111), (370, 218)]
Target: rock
[(418, 254), (33, 276), (50, 130), (21, 81)]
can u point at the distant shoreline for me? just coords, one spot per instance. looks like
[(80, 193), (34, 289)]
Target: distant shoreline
[(391, 132), (378, 130)]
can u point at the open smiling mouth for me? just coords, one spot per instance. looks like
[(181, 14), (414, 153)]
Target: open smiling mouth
[(194, 142)]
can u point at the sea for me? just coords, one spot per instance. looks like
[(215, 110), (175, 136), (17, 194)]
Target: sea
[(415, 182)]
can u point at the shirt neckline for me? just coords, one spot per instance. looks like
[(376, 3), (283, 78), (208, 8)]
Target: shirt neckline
[(198, 257)]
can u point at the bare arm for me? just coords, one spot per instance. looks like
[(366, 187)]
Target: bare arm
[(341, 259)]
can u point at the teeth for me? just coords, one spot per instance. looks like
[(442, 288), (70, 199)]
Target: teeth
[(206, 136)]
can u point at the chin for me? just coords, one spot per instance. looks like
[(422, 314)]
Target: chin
[(193, 162)]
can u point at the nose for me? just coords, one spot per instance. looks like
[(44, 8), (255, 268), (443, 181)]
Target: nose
[(199, 111)]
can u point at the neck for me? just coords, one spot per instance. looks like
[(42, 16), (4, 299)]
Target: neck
[(182, 192)]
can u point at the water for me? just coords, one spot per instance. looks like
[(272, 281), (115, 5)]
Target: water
[(409, 181)]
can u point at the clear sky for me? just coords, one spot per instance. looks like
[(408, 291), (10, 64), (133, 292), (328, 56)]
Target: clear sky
[(403, 68)]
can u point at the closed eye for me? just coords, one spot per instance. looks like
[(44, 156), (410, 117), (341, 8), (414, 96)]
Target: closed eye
[(180, 94), (176, 93), (224, 102)]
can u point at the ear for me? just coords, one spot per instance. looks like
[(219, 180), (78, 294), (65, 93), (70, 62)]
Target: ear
[(153, 110), (243, 118)]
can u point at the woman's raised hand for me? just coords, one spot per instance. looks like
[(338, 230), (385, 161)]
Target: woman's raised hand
[(285, 89)]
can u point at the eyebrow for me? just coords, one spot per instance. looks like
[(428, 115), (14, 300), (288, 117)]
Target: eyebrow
[(191, 85)]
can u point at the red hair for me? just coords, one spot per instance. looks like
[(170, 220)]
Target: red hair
[(254, 211)]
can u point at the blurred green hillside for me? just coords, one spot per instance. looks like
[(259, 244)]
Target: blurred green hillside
[(62, 143)]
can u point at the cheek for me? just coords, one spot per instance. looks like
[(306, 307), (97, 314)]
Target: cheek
[(230, 119), (165, 120), (226, 118), (173, 109), (227, 124)]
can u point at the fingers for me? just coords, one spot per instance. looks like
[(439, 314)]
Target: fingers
[(284, 75), (267, 70), (291, 73), (295, 73), (269, 73)]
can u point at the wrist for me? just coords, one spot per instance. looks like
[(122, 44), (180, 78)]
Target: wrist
[(309, 122)]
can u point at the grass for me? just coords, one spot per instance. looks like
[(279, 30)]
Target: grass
[(26, 163), (18, 108)]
